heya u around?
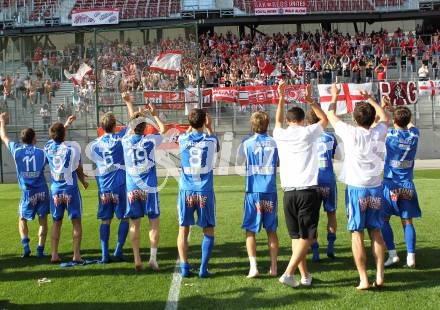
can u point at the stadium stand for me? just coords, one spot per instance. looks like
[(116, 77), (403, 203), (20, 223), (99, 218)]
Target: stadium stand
[(43, 9), (135, 9)]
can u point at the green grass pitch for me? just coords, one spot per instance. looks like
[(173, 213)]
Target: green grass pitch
[(116, 285)]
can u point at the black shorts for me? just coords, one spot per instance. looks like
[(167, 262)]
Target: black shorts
[(301, 210)]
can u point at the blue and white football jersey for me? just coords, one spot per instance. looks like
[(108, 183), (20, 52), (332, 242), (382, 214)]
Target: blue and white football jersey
[(401, 149), (140, 161), (326, 145), (63, 158), (261, 153), (30, 162), (108, 155), (197, 151)]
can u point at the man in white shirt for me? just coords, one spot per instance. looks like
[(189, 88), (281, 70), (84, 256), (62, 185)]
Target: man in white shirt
[(299, 179), (364, 148)]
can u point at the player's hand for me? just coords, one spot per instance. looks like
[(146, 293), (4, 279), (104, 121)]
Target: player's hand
[(335, 90), (127, 97), (4, 118), (309, 98), (71, 119), (386, 103), (150, 108), (208, 122), (86, 184), (281, 88), (364, 94)]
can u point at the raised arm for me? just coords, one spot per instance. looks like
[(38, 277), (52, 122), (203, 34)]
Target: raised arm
[(323, 121), (208, 124), (128, 100), (156, 117), (3, 131), (331, 115), (279, 117), (69, 121), (380, 112)]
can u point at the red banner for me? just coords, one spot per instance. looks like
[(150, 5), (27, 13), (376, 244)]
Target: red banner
[(280, 7), (258, 94), (228, 94), (169, 100), (400, 93)]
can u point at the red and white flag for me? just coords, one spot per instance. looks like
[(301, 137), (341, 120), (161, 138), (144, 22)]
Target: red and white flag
[(427, 88), (347, 99), (265, 67), (78, 77), (130, 72), (167, 62)]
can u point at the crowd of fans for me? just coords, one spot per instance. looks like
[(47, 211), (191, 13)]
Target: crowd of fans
[(223, 60)]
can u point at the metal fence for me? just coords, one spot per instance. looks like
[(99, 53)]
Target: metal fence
[(124, 55)]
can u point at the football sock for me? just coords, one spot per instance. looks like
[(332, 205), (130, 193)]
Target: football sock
[(410, 238), (388, 236), (315, 251), (253, 263), (153, 254), (331, 238), (207, 245), (26, 248), (40, 250), (185, 270), (104, 233), (122, 236)]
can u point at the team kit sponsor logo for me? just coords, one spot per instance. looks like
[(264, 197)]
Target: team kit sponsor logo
[(401, 194), (61, 199), (264, 206), (372, 202), (109, 198), (196, 200), (37, 198), (137, 195), (324, 191)]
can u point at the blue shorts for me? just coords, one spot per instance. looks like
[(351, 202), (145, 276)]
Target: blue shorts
[(260, 209), (111, 202), (364, 207), (401, 199), (66, 199), (140, 203), (203, 202), (34, 201), (329, 196)]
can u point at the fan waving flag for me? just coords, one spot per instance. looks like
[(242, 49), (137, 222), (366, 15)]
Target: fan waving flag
[(77, 77), (347, 99), (167, 62)]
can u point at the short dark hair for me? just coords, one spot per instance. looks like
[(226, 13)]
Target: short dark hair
[(312, 118), (402, 116), (364, 114), (197, 118), (57, 132), (27, 135), (108, 122), (295, 114), (140, 127)]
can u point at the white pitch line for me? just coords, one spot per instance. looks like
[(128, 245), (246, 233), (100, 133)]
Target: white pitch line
[(173, 294)]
